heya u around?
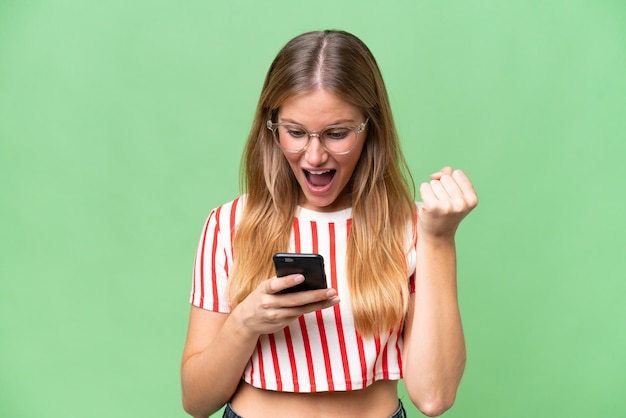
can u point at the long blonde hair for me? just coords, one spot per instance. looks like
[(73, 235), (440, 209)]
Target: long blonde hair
[(382, 190)]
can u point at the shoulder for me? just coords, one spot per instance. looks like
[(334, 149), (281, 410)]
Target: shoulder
[(229, 211), (223, 219), (234, 205)]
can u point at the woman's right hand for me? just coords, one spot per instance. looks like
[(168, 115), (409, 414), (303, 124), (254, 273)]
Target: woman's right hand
[(219, 345), (266, 310)]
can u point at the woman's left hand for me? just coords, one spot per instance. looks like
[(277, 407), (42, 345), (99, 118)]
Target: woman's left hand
[(446, 200)]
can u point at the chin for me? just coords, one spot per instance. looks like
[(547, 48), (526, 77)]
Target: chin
[(326, 204)]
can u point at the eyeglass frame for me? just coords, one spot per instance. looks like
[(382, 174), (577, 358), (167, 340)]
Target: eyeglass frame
[(356, 129)]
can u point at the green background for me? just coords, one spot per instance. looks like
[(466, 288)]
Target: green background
[(122, 124)]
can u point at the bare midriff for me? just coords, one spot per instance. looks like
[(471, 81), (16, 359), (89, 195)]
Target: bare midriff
[(378, 400)]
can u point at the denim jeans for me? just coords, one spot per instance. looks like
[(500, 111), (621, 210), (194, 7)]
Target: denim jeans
[(230, 413)]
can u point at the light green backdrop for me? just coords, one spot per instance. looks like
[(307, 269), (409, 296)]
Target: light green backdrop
[(122, 124)]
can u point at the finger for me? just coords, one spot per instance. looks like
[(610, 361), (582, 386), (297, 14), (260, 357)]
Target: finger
[(306, 298), (434, 197), (452, 187), (440, 173), (321, 305), (467, 188), (289, 314), (427, 195), (278, 284), (440, 192)]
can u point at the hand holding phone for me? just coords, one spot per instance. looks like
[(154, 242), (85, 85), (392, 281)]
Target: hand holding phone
[(311, 266)]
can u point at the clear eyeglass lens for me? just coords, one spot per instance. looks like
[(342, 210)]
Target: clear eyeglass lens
[(334, 139)]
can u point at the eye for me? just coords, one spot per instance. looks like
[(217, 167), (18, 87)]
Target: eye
[(295, 131), (336, 134)]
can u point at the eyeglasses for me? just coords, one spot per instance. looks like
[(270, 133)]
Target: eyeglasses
[(336, 139)]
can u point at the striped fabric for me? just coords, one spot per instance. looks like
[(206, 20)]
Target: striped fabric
[(321, 351)]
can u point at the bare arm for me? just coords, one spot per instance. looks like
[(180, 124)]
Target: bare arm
[(211, 366), (434, 348), (219, 345)]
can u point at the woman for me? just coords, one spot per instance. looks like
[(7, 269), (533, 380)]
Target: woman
[(323, 173)]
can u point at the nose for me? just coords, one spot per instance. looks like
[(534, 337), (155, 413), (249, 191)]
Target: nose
[(315, 153)]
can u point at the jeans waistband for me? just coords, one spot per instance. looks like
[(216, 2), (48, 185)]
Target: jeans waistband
[(229, 412)]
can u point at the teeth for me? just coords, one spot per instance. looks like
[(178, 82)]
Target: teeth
[(318, 173)]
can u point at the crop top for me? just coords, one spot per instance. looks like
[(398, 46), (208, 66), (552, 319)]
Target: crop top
[(320, 351)]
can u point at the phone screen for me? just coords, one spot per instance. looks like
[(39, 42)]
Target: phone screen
[(311, 266)]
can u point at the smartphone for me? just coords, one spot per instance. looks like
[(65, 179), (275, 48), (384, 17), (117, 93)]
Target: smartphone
[(311, 266)]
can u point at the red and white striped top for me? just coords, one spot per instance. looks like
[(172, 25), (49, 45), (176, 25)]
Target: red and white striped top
[(321, 351)]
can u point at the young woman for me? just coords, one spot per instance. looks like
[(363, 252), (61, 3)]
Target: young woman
[(323, 173)]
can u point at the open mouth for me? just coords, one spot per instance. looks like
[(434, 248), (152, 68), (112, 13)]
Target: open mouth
[(319, 179)]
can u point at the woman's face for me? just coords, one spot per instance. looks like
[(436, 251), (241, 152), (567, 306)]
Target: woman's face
[(322, 175)]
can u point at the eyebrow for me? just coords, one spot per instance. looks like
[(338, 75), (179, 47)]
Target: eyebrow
[(336, 123)]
